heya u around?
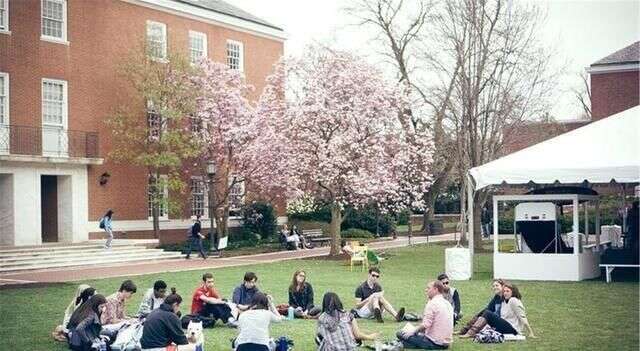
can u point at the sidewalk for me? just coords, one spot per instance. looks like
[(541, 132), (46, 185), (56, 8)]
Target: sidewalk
[(84, 273)]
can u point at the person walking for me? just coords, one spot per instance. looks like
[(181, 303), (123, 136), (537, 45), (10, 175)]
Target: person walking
[(196, 238), (105, 223)]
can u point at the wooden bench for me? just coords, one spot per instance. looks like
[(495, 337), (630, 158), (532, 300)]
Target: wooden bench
[(608, 268), (316, 236)]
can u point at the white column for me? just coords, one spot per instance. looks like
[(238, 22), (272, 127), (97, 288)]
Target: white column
[(7, 214), (496, 245), (576, 226), (470, 233)]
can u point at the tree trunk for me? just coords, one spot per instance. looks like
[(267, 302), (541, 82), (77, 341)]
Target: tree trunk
[(427, 218), (336, 221), (410, 226), (156, 220)]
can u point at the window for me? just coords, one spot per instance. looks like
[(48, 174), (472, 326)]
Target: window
[(4, 97), (54, 102), (199, 204), (236, 194), (235, 59), (54, 19), (195, 124), (197, 46), (4, 15), (162, 196), (157, 40), (154, 122)]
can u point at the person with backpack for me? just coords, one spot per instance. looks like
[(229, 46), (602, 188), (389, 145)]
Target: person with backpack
[(195, 238), (105, 224)]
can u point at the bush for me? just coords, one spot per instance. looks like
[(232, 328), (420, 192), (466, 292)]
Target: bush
[(258, 218), (322, 213), (356, 233), (369, 219)]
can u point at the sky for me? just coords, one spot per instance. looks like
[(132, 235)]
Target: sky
[(580, 32)]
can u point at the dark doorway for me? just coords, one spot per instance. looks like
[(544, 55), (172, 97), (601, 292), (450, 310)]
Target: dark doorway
[(49, 208)]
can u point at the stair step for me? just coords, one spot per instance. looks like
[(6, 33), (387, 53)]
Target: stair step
[(88, 246), (93, 263), (81, 260), (68, 251), (88, 254)]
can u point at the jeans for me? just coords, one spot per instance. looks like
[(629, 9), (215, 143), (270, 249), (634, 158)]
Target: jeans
[(198, 242), (499, 324), (109, 232), (419, 341), (252, 347), (217, 311)]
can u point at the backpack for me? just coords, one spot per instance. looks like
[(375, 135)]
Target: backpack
[(283, 344), (128, 338), (190, 230), (489, 336), (101, 225)]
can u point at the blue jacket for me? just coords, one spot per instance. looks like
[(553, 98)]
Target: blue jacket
[(107, 222), (243, 296)]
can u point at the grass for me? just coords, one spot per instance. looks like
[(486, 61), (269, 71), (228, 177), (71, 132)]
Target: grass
[(588, 315)]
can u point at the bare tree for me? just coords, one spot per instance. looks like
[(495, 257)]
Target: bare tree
[(401, 28), (583, 95)]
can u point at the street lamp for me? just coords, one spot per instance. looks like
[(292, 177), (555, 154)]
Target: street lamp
[(211, 172)]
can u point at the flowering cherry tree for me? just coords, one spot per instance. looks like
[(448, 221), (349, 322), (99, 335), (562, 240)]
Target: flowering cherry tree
[(331, 126)]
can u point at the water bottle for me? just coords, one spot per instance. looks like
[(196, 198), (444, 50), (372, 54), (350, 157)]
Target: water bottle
[(290, 314), (103, 346)]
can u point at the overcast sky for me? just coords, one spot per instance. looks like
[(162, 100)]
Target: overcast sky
[(581, 31)]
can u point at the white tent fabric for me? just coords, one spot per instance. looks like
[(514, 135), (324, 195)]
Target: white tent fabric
[(599, 152)]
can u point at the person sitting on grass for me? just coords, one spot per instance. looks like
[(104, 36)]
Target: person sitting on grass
[(153, 298), (162, 326), (83, 293), (436, 330), (512, 318), (337, 329), (451, 295), (253, 324), (115, 306), (84, 325), (493, 305), (207, 302), (243, 293), (301, 296), (370, 300)]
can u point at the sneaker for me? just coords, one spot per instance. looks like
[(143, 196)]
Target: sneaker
[(232, 323), (400, 315), (378, 314)]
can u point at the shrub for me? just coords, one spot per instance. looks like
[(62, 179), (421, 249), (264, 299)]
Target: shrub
[(368, 218), (258, 218), (356, 233)]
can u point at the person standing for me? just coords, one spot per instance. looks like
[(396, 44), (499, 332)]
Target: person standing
[(196, 238), (105, 223), (436, 330)]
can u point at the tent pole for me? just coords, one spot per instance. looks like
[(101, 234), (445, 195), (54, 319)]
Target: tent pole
[(576, 226), (586, 221), (598, 225), (470, 231), (496, 245)]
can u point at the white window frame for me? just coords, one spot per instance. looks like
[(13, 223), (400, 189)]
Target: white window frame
[(164, 213), (65, 103), (164, 37), (44, 37), (240, 54), (151, 129), (243, 192), (5, 94), (203, 37), (5, 17), (205, 198)]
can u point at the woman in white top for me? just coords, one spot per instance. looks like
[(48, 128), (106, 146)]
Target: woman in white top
[(253, 325)]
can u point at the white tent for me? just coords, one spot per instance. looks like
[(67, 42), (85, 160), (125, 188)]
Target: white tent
[(602, 151)]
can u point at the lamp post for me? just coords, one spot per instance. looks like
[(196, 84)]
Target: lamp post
[(211, 172)]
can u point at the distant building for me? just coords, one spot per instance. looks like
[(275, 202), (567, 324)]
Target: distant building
[(58, 83)]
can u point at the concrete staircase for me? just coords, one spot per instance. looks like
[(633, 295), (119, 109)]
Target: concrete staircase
[(15, 259)]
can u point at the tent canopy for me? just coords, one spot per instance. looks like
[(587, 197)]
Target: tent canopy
[(602, 151)]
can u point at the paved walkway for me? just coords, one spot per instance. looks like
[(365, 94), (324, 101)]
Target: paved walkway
[(177, 265)]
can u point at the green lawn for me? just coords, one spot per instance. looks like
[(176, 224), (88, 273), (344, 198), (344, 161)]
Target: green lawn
[(588, 315)]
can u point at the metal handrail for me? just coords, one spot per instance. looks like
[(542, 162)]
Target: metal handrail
[(48, 141)]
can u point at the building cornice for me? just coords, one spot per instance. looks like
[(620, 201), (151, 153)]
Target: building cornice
[(613, 68), (212, 17)]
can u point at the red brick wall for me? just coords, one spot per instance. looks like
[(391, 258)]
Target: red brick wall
[(100, 35), (614, 92)]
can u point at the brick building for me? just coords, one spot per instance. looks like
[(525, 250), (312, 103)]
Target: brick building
[(58, 82)]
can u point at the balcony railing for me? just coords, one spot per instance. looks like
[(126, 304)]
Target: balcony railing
[(48, 141)]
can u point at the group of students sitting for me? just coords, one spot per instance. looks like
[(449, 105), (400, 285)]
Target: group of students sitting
[(292, 239), (89, 314)]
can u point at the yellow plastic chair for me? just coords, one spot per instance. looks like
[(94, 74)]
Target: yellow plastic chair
[(359, 255)]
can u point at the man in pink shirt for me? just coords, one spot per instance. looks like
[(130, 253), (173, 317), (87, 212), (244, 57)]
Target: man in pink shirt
[(436, 330)]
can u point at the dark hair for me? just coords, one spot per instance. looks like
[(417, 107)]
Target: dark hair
[(249, 276), (173, 298), (207, 276), (514, 290), (109, 213), (439, 286), (331, 304), (85, 295), (294, 282), (160, 284), (128, 286), (260, 301), (443, 276), (91, 306), (374, 269), (198, 217)]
